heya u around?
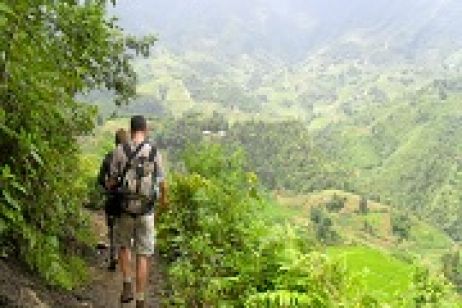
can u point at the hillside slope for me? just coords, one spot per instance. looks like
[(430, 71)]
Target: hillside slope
[(374, 229)]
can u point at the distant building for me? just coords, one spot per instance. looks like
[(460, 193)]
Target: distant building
[(221, 133), (212, 134)]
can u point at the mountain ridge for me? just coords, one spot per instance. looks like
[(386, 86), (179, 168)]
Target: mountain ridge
[(294, 29)]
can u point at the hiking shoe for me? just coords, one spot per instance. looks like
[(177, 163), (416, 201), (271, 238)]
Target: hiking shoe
[(139, 304), (127, 293)]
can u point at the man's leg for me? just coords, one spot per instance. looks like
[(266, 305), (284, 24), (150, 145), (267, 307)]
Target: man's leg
[(144, 240), (124, 227), (125, 264), (142, 273), (112, 249), (125, 267)]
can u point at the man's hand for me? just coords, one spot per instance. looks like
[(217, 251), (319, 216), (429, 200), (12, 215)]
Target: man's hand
[(110, 184)]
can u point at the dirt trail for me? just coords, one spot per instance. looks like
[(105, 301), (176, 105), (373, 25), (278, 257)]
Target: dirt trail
[(21, 288), (106, 287)]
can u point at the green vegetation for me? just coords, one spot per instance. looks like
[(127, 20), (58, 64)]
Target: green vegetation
[(359, 158), (223, 250), (301, 164), (281, 153), (323, 226), (50, 52), (382, 161), (401, 225), (452, 268), (385, 276), (336, 204)]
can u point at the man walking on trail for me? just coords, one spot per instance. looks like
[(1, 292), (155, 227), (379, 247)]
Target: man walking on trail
[(112, 206), (136, 173)]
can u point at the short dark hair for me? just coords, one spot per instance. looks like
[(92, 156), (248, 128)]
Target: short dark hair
[(121, 136), (138, 124)]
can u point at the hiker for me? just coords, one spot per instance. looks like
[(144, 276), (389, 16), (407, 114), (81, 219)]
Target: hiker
[(112, 206), (136, 172)]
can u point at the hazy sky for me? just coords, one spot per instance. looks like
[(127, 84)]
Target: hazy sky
[(293, 26)]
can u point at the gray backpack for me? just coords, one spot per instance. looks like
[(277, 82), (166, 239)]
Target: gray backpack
[(138, 179)]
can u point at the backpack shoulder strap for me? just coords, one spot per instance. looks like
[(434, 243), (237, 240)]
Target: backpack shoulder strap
[(153, 158), (127, 150), (130, 156), (152, 153)]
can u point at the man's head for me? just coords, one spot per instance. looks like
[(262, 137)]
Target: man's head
[(138, 126), (121, 136)]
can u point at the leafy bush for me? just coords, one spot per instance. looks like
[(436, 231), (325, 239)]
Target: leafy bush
[(210, 224), (221, 251), (428, 290), (323, 226), (336, 203), (401, 225), (452, 268)]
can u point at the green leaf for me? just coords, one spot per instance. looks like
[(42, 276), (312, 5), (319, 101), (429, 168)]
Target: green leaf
[(19, 187), (8, 131), (37, 157), (6, 172), (10, 216), (3, 226), (10, 200), (5, 9), (3, 22)]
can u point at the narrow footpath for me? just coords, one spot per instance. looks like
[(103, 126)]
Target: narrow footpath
[(106, 286), (20, 288)]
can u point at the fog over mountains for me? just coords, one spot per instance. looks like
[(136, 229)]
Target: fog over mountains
[(293, 29)]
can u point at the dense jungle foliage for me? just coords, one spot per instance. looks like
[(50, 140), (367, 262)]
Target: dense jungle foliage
[(49, 52)]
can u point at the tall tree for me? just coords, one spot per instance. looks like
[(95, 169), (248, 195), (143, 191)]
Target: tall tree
[(49, 52)]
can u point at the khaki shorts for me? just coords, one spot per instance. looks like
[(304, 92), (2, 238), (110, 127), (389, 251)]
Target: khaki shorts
[(139, 228)]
